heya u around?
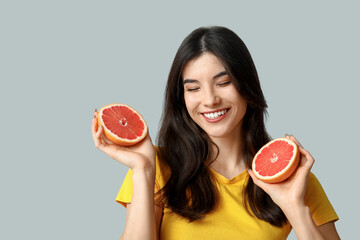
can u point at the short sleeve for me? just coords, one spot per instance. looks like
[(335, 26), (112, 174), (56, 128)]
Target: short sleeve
[(126, 191), (124, 196), (320, 207)]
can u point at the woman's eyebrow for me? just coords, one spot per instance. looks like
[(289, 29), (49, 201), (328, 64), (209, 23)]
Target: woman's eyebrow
[(190, 81), (220, 74)]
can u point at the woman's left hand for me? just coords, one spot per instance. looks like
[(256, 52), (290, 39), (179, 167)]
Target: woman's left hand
[(291, 192)]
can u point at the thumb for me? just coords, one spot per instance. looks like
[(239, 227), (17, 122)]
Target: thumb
[(257, 181)]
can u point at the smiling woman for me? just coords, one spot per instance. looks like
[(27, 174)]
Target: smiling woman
[(212, 101), (212, 126)]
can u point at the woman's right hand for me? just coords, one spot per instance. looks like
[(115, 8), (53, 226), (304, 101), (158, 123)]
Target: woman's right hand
[(138, 156)]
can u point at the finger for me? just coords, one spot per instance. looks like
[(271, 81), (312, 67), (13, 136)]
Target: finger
[(99, 132), (97, 138), (95, 131), (94, 125), (95, 128), (257, 181), (292, 138), (107, 141), (306, 159)]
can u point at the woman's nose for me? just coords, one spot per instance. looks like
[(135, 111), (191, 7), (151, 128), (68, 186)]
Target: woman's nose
[(211, 99)]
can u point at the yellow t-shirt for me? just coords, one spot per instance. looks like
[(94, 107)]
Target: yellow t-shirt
[(229, 220)]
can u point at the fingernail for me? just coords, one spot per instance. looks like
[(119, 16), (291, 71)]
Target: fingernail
[(95, 113)]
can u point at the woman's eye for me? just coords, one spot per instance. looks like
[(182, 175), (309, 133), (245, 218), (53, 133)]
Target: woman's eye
[(192, 89), (224, 83)]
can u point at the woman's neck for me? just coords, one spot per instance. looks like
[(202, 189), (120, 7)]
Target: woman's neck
[(230, 161)]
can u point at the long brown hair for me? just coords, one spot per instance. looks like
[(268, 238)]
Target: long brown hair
[(186, 149)]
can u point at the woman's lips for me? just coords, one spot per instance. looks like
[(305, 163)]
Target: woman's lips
[(215, 116)]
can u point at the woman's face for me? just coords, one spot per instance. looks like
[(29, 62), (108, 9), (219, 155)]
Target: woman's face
[(210, 97)]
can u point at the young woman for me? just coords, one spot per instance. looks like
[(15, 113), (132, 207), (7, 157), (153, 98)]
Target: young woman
[(197, 184)]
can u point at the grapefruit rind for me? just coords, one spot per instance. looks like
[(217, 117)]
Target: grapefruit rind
[(115, 138), (284, 173)]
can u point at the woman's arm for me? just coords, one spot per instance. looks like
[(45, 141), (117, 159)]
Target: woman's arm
[(158, 218), (140, 217), (140, 214), (329, 232), (290, 197), (305, 228), (302, 223)]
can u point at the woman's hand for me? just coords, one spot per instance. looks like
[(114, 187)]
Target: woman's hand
[(138, 156), (291, 192)]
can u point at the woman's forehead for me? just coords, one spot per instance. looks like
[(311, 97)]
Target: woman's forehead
[(206, 65)]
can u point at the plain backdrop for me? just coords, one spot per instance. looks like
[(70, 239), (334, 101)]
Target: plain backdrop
[(59, 60)]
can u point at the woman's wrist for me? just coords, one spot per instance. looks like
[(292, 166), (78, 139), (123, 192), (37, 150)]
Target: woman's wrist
[(301, 221), (144, 166), (147, 172), (294, 212)]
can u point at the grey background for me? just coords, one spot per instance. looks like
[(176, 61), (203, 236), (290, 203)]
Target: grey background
[(61, 59)]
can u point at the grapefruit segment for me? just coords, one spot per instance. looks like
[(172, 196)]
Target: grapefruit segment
[(276, 160), (122, 124)]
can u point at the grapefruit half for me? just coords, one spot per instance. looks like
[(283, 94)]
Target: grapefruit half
[(122, 124), (276, 160)]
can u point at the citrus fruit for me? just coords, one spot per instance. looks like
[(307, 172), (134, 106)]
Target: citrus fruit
[(276, 160), (122, 124)]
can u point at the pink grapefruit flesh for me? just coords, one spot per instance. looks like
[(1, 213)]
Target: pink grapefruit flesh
[(276, 160), (122, 124)]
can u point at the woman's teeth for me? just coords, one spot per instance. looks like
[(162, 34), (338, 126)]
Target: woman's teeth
[(215, 114)]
